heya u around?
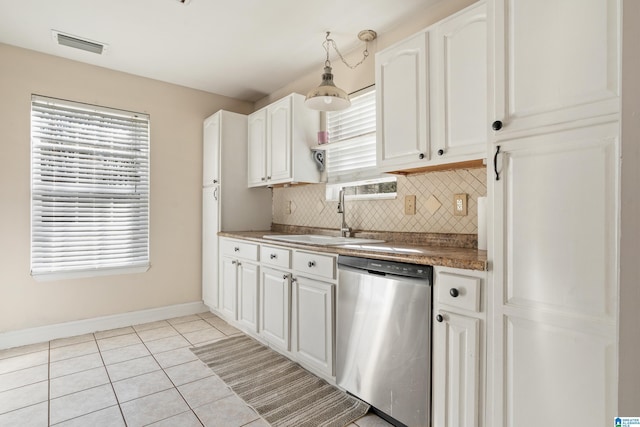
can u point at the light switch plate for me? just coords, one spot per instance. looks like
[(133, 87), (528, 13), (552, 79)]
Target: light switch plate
[(460, 204), (410, 205)]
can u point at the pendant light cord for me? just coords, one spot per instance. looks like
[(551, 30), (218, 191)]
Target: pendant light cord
[(331, 42)]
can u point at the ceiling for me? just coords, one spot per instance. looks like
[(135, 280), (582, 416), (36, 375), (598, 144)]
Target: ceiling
[(244, 49)]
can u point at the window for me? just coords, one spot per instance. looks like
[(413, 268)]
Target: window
[(89, 189), (351, 152)]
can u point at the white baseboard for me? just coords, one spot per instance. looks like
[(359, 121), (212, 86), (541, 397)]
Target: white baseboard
[(68, 329)]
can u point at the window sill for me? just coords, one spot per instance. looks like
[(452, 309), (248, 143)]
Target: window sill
[(96, 272)]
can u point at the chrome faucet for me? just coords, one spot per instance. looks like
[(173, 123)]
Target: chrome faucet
[(345, 231)]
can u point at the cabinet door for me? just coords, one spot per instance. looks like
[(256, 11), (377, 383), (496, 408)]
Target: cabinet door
[(279, 167), (210, 259), (257, 149), (248, 295), (314, 323), (555, 62), (275, 298), (555, 281), (228, 281), (211, 151), (402, 98), (456, 375), (459, 86)]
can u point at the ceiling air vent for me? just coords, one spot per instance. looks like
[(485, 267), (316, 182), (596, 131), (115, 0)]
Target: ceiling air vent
[(78, 43)]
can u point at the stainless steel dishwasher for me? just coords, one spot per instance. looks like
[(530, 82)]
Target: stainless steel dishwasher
[(383, 340)]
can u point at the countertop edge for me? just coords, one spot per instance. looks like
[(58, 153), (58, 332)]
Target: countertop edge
[(444, 260)]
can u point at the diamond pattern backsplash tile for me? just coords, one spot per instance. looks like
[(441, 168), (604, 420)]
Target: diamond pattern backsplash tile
[(430, 189)]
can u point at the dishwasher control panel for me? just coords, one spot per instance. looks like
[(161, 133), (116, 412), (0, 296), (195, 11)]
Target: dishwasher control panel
[(386, 267)]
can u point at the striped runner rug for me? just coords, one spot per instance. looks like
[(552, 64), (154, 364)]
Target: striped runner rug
[(281, 391)]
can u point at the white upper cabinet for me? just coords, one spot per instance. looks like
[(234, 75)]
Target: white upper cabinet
[(257, 148), (402, 91), (555, 61), (280, 137), (211, 151), (459, 86), (432, 95)]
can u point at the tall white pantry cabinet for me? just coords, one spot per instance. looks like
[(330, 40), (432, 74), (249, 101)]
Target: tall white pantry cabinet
[(227, 203), (554, 182)]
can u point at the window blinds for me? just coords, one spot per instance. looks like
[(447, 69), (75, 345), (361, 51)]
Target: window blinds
[(351, 153), (90, 187)]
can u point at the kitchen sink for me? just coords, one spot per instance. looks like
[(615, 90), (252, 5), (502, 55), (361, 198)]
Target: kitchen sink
[(317, 239)]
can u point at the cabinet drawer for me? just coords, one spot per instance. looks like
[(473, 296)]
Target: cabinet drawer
[(315, 264), (235, 248), (458, 291), (277, 257)]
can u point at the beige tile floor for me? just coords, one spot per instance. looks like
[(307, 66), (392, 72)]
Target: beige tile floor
[(134, 376)]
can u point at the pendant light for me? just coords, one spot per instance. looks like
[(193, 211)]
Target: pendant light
[(327, 96)]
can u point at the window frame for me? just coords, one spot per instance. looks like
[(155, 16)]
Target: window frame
[(104, 190)]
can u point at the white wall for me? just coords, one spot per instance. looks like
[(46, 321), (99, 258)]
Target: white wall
[(176, 167)]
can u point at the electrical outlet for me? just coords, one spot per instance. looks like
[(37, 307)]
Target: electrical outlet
[(460, 204), (410, 205), (287, 207)]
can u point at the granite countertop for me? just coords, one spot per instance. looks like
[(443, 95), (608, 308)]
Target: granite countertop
[(455, 251)]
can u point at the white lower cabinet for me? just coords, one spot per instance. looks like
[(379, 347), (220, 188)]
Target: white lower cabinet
[(275, 307), (314, 313), (248, 296), (458, 347), (228, 279)]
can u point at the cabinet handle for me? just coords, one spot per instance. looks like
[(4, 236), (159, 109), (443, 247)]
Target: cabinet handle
[(440, 152), (421, 156), (454, 292), (234, 262), (439, 318), (495, 163), (311, 264), (497, 125), (239, 263), (268, 177), (273, 256), (236, 249), (263, 179), (215, 193), (293, 279)]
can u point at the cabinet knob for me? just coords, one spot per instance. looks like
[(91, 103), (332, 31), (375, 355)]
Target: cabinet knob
[(421, 156), (311, 264), (293, 279), (497, 125), (439, 318), (268, 177), (285, 276), (454, 292), (236, 249), (440, 152), (263, 179), (273, 256), (234, 262), (215, 181)]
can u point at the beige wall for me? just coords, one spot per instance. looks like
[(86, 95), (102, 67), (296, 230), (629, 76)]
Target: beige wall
[(176, 167), (629, 321)]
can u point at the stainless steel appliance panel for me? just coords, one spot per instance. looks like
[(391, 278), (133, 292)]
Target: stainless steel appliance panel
[(384, 342)]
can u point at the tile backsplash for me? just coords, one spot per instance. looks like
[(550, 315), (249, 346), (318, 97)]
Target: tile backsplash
[(434, 193)]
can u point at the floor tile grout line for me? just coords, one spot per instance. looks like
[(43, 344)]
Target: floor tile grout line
[(49, 386), (111, 384)]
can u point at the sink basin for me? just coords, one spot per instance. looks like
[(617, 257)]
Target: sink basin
[(316, 239)]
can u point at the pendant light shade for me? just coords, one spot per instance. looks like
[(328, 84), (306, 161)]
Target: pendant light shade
[(327, 96)]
